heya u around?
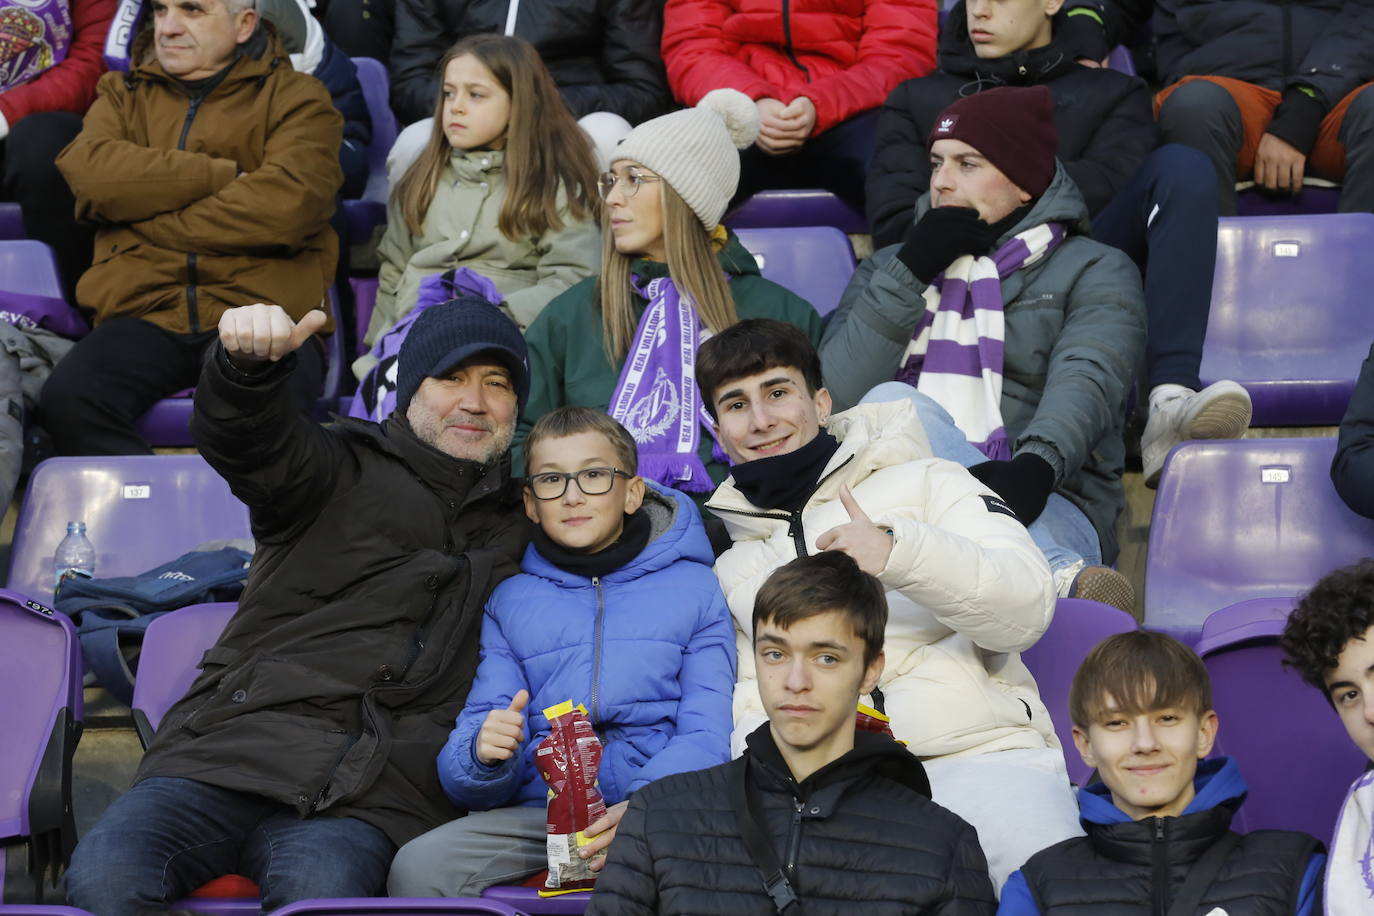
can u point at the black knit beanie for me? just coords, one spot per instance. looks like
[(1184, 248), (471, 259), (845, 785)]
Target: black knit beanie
[(446, 334)]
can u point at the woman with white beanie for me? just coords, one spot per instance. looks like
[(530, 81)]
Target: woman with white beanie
[(671, 275)]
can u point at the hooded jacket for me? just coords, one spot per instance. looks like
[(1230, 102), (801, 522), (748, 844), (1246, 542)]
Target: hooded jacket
[(207, 202), (1124, 866), (967, 589), (603, 54), (1075, 331), (568, 363), (649, 650), (859, 835), (355, 641), (1103, 118), (844, 55)]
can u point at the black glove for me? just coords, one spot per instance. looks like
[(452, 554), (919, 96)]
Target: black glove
[(1298, 119), (1025, 482), (1084, 37), (941, 236)]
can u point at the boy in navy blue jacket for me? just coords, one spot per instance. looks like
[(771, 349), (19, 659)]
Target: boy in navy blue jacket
[(1159, 822), (616, 608)]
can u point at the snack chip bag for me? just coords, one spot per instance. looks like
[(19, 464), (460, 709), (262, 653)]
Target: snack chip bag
[(568, 759), (868, 719)]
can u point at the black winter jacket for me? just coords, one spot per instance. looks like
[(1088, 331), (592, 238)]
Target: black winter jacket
[(860, 835), (603, 54), (1104, 120), (1325, 44), (1352, 469), (336, 683)]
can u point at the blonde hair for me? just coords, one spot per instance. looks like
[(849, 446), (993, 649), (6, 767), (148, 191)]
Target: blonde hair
[(545, 149), (692, 265)]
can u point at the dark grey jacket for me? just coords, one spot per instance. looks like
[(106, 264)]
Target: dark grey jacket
[(1075, 332)]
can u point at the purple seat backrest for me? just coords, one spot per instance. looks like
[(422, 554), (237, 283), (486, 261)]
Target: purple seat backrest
[(1290, 744), (1249, 518), (172, 647), (376, 93), (796, 207), (216, 906), (11, 221), (364, 301), (527, 900), (1078, 625), (140, 511), (1120, 59), (27, 909), (815, 262), (28, 266), (1311, 199), (397, 906), (1290, 318)]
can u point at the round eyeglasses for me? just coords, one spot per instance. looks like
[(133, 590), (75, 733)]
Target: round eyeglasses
[(630, 181), (591, 481)]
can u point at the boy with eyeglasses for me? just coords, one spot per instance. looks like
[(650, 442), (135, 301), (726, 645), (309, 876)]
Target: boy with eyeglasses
[(616, 608)]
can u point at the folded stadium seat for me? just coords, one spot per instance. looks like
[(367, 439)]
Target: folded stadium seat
[(28, 266), (815, 262), (139, 510), (40, 682), (796, 207), (399, 906), (524, 898), (1290, 320), (1289, 742), (167, 663), (364, 216), (11, 221), (1078, 625), (167, 423), (1242, 519), (1317, 196)]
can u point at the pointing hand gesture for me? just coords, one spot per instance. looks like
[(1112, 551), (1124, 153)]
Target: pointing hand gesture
[(501, 733), (256, 333), (869, 544)]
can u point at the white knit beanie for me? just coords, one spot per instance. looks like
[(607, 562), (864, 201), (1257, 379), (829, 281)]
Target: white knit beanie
[(696, 150)]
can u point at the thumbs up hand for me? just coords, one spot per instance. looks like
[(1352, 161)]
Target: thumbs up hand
[(502, 731), (257, 333), (870, 545)]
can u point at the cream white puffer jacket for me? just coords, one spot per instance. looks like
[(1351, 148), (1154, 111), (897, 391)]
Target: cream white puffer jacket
[(967, 588)]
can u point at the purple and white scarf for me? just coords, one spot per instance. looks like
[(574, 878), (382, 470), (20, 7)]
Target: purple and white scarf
[(656, 397), (956, 352), (34, 36), (1350, 867)]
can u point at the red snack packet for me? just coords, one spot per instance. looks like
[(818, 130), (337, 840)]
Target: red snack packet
[(568, 759), (868, 719)]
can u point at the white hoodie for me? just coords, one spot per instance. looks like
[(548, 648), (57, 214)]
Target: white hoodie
[(967, 588)]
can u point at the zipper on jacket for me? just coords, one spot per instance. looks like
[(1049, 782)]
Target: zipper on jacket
[(596, 649), (1159, 854), (329, 777), (787, 39), (793, 843), (192, 275)]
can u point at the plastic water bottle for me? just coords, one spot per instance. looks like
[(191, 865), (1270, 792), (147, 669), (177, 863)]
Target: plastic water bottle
[(75, 556)]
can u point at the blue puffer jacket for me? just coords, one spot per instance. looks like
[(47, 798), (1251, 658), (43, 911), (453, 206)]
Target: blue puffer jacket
[(340, 77), (649, 650)]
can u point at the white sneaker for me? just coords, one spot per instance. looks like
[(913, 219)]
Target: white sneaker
[(1219, 411)]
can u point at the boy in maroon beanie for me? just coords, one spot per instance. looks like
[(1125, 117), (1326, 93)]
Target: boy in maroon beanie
[(1015, 334)]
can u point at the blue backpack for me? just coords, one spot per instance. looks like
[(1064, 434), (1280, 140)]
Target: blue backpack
[(112, 614)]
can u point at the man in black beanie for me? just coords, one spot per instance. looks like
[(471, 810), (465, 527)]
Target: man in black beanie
[(1018, 332), (303, 755)]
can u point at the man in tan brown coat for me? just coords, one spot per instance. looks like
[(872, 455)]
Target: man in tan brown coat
[(210, 169)]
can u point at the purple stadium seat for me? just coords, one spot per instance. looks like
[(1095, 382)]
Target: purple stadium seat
[(1313, 198), (172, 648), (527, 900), (140, 511), (11, 221), (39, 681), (796, 207), (398, 906), (815, 262), (24, 909), (1120, 59), (28, 266), (363, 216), (218, 906), (1287, 739), (1078, 625), (364, 301), (1250, 518), (1289, 318)]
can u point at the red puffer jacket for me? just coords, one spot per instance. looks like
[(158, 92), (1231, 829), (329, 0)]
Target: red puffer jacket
[(844, 55)]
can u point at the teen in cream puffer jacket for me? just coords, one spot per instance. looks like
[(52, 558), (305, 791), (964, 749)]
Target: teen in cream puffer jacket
[(967, 588)]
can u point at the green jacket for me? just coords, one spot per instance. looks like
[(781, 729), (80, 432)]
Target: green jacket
[(568, 364)]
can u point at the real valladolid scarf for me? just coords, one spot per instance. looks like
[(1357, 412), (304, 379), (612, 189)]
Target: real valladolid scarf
[(955, 354), (656, 397)]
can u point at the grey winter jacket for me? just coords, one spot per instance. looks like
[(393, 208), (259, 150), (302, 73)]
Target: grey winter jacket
[(1075, 332)]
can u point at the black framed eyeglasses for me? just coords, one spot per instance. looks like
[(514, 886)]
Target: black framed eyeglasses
[(631, 181), (591, 481)]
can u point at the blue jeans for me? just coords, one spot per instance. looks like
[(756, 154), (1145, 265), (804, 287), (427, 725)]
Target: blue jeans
[(1062, 532), (166, 837)]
